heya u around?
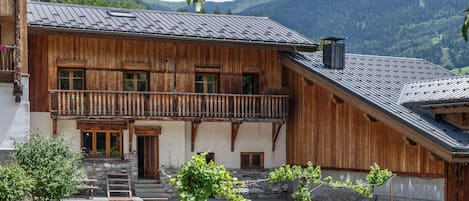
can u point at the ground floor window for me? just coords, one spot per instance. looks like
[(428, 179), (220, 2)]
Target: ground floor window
[(252, 160), (101, 144)]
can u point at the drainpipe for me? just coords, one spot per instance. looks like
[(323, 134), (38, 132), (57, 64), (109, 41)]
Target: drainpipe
[(174, 80)]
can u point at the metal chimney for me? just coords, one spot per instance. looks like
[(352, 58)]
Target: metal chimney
[(334, 53)]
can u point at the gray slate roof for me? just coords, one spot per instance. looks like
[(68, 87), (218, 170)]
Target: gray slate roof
[(453, 89), (378, 81), (173, 25)]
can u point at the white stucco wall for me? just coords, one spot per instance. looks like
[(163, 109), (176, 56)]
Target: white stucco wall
[(252, 137), (41, 122), (175, 140), (14, 117), (68, 130)]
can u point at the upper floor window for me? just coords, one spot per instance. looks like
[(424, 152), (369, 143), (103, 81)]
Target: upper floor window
[(135, 81), (206, 83), (71, 79), (250, 83)]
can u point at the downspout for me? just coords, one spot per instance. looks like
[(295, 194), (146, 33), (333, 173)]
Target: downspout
[(174, 81)]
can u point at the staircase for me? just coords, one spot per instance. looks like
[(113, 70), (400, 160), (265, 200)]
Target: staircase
[(149, 189), (118, 187)]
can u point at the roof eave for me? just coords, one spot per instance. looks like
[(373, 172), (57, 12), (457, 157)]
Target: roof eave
[(276, 45)]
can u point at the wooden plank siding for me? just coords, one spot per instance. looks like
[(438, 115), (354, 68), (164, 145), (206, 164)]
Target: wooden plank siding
[(107, 58), (7, 7), (340, 136)]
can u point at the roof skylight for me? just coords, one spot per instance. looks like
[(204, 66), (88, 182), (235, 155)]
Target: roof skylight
[(120, 13)]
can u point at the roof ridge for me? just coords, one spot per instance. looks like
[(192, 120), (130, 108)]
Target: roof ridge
[(146, 10)]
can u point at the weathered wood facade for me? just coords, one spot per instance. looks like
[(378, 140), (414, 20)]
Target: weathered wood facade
[(105, 59), (333, 133)]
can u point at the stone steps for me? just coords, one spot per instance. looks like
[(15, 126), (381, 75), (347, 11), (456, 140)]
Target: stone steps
[(150, 190)]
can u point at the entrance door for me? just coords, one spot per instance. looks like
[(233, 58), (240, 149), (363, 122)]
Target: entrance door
[(147, 157)]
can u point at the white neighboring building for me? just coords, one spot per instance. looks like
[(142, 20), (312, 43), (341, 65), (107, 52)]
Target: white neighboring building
[(14, 80)]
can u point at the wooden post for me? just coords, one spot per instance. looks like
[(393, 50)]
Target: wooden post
[(276, 126), (234, 133), (131, 133), (194, 130)]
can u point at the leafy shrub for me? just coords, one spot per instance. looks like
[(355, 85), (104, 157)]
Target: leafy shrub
[(15, 184), (312, 175), (198, 180), (51, 164)]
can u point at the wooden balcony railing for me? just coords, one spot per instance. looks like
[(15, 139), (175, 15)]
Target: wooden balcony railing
[(7, 58), (169, 105)]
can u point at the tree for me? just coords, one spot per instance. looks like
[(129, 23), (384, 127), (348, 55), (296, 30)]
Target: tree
[(15, 183), (217, 10), (198, 180), (198, 4), (52, 165), (465, 25), (228, 12), (312, 176)]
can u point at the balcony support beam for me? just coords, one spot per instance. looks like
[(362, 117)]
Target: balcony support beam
[(276, 127), (194, 130), (234, 133)]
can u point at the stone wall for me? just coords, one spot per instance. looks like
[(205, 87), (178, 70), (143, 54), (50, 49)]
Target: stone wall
[(257, 186), (99, 168)]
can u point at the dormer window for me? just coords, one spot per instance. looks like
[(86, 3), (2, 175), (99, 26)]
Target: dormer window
[(121, 13)]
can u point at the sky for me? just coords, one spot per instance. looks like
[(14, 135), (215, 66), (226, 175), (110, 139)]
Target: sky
[(205, 0)]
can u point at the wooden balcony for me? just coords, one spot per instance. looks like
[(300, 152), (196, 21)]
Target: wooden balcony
[(7, 63), (163, 105)]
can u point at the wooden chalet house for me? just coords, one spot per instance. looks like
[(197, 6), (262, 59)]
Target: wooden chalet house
[(145, 90), (14, 104)]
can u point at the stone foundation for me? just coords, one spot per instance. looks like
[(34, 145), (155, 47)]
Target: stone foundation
[(99, 168), (258, 187)]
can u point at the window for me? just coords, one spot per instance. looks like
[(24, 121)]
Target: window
[(101, 144), (250, 83), (206, 83), (209, 157), (71, 79), (252, 160), (135, 81)]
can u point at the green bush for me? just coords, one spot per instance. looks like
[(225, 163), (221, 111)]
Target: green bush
[(15, 184), (198, 180), (51, 164)]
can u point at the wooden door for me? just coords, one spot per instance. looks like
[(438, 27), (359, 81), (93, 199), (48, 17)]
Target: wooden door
[(148, 157)]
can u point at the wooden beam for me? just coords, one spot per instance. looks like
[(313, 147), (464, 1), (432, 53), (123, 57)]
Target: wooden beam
[(136, 66), (276, 127), (234, 133), (369, 117), (409, 141), (148, 131), (308, 82), (131, 133), (101, 125), (194, 130), (336, 99), (71, 63)]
